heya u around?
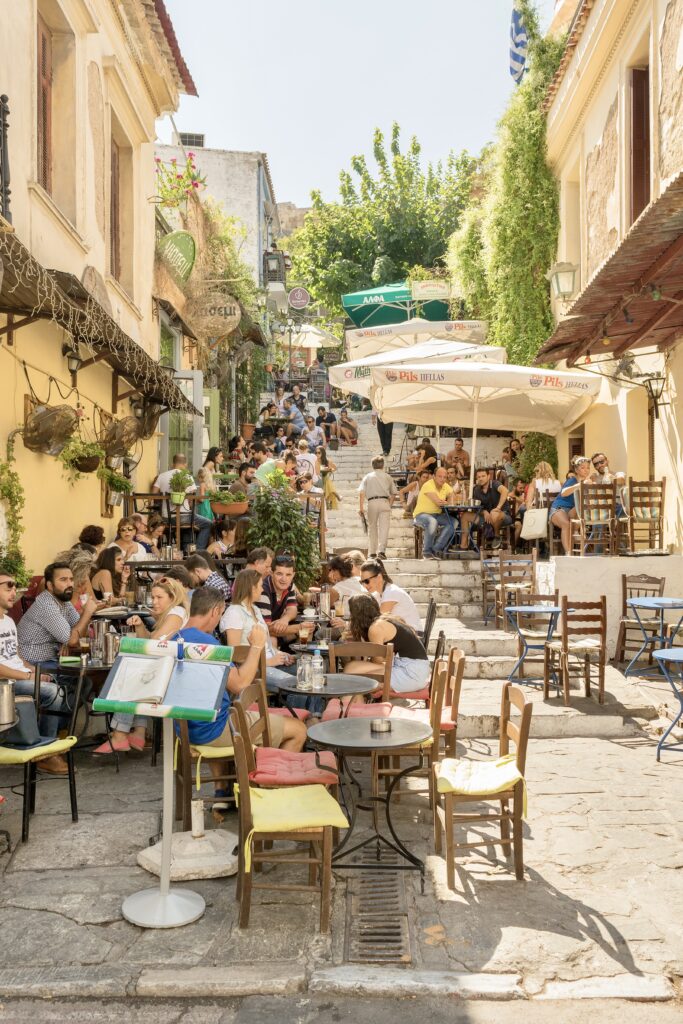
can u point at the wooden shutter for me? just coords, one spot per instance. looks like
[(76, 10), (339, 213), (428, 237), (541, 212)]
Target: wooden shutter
[(115, 214), (651, 423), (640, 141), (44, 113)]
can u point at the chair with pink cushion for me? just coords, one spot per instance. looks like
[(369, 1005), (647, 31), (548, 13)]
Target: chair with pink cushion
[(455, 669), (240, 652)]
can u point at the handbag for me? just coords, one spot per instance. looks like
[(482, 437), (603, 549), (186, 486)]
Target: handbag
[(535, 524), (25, 733)]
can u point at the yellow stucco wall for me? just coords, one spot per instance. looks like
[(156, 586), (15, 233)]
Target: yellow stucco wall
[(105, 93)]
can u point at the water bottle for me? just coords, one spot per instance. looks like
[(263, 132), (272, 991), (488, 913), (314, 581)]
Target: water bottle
[(303, 673), (181, 648), (317, 672)]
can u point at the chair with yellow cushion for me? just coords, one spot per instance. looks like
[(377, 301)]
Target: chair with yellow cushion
[(29, 756), (457, 781), (304, 814)]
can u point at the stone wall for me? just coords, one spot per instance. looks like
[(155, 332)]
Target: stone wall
[(671, 94), (601, 193)]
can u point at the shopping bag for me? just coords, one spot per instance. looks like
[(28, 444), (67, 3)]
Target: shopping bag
[(535, 524)]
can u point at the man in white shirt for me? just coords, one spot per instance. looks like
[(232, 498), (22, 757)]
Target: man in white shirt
[(379, 490), (314, 436), (162, 485), (305, 461), (13, 666)]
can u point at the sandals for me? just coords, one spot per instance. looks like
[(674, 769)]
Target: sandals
[(108, 748), (137, 743)]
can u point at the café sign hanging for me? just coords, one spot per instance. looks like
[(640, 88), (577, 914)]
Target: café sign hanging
[(178, 249)]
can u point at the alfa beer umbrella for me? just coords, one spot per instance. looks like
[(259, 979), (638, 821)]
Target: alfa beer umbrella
[(494, 396), (363, 342), (389, 304), (355, 376)]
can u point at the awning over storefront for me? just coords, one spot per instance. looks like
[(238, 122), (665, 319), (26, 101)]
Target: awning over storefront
[(30, 292), (176, 318), (635, 300)]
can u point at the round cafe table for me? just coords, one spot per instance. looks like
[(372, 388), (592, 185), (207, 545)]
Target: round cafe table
[(348, 736), (656, 606), (337, 685)]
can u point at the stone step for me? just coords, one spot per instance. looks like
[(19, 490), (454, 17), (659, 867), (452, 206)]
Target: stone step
[(480, 643)]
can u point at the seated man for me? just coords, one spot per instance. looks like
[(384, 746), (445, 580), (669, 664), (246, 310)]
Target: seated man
[(297, 423), (245, 481), (313, 435), (328, 421), (495, 510), (305, 459), (458, 458), (454, 481), (278, 602), (202, 575), (52, 621), (13, 666), (437, 526), (260, 559), (265, 464), (298, 399), (286, 732)]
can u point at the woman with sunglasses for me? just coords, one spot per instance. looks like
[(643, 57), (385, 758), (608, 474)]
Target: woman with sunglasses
[(170, 611), (410, 669), (565, 504), (391, 599)]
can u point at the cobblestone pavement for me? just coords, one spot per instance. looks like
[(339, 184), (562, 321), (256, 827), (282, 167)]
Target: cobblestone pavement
[(600, 903)]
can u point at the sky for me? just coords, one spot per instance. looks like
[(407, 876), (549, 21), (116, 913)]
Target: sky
[(308, 81)]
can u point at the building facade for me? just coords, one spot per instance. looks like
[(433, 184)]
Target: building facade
[(77, 242), (615, 143)]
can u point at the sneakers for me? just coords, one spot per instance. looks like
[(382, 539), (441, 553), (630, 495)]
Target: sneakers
[(433, 558), (382, 554), (495, 543)]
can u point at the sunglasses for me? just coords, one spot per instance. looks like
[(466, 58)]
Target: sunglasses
[(600, 462), (366, 579), (10, 584)]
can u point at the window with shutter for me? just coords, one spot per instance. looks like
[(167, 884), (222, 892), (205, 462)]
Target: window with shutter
[(640, 141), (44, 112), (115, 213)]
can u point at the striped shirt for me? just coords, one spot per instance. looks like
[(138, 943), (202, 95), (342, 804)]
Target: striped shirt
[(46, 627)]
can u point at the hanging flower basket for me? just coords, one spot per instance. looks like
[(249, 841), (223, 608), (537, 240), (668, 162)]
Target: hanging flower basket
[(87, 465)]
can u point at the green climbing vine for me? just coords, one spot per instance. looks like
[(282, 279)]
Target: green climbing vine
[(12, 497), (508, 237)]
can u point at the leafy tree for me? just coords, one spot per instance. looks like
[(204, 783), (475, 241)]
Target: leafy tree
[(508, 238), (383, 224), (537, 448), (278, 521)]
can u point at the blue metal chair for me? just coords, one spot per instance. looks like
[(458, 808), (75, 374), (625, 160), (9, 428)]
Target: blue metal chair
[(670, 660)]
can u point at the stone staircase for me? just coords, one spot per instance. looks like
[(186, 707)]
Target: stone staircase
[(456, 587)]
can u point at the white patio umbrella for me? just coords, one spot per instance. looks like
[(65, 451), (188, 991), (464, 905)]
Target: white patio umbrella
[(311, 336), (356, 375), (366, 341), (493, 396)]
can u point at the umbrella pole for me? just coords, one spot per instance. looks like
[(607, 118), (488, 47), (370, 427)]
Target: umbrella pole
[(473, 458)]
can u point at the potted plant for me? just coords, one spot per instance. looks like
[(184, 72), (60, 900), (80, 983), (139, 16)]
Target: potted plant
[(178, 484), (247, 430), (278, 521), (117, 484), (79, 456), (228, 503)]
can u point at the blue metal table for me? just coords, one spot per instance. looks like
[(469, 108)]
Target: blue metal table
[(670, 661), (652, 639), (512, 611)]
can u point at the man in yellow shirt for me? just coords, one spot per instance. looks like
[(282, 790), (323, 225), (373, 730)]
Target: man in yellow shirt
[(437, 526)]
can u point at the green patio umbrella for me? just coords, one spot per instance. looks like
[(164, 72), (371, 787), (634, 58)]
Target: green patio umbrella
[(390, 304)]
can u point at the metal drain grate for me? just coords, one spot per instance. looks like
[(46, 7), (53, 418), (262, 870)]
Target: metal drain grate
[(376, 915)]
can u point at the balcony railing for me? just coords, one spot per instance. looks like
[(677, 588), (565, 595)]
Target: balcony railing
[(4, 160)]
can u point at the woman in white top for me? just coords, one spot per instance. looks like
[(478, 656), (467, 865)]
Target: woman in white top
[(392, 600), (170, 611), (544, 482), (242, 615), (125, 539), (344, 575)]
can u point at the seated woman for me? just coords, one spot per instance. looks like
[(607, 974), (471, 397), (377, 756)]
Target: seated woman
[(410, 670), (151, 536), (213, 463), (564, 506), (427, 457), (391, 599), (223, 537), (279, 444), (203, 507), (408, 494), (170, 611), (125, 540), (268, 412), (544, 482), (242, 615), (348, 428), (110, 577)]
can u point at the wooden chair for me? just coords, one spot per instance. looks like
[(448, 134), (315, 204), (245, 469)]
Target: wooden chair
[(383, 654), (305, 814), (597, 518), (636, 586), (383, 766), (490, 577), (455, 671), (583, 637), (516, 577), (189, 757), (534, 628), (417, 540), (466, 782), (645, 513)]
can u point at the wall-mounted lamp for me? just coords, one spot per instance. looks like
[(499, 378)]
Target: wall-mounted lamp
[(654, 386), (73, 360), (138, 407), (562, 277)]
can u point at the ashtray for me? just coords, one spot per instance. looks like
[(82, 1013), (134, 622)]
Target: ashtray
[(380, 725)]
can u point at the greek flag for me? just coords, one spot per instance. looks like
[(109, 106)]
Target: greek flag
[(519, 42)]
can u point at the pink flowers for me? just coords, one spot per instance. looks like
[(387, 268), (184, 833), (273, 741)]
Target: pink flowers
[(191, 156)]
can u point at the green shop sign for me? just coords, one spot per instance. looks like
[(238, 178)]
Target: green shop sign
[(179, 251)]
